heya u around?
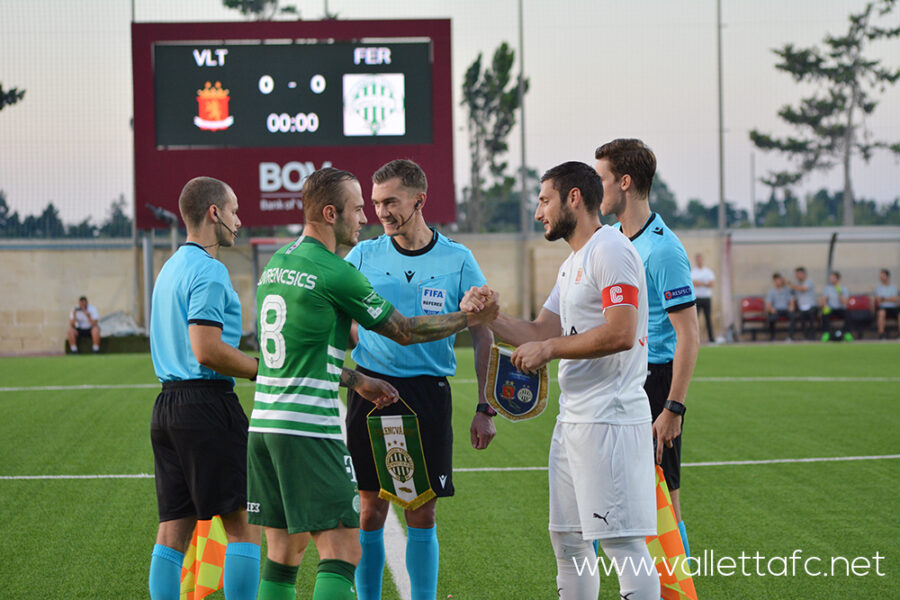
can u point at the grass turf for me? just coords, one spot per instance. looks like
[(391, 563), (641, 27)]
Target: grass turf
[(91, 538)]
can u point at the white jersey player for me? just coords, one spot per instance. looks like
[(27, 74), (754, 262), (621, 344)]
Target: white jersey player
[(601, 455)]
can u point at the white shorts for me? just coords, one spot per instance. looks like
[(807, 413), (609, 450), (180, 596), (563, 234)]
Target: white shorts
[(602, 481)]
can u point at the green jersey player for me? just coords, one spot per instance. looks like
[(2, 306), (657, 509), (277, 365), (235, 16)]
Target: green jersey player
[(301, 483)]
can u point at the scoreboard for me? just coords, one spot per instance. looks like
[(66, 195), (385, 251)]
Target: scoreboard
[(263, 105)]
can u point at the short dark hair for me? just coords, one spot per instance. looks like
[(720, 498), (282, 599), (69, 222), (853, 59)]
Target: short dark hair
[(198, 195), (886, 272), (324, 187), (777, 276), (836, 274), (84, 298), (630, 156), (409, 173), (574, 174), (800, 270)]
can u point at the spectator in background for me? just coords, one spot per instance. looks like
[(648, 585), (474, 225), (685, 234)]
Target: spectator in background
[(84, 322), (704, 279), (886, 298), (833, 301), (804, 301), (779, 303)]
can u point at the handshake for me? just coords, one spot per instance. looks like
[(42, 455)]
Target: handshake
[(481, 304)]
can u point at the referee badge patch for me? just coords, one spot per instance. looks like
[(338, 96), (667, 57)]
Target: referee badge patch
[(515, 395), (433, 300)]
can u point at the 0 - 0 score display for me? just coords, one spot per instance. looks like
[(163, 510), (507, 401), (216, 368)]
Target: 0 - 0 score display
[(241, 94), (284, 122)]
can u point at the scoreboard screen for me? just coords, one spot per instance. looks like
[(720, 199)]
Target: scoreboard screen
[(263, 105), (293, 94)]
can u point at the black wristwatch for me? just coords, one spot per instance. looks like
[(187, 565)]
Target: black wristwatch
[(676, 407), (484, 407)]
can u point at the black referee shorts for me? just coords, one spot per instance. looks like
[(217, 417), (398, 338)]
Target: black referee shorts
[(199, 435), (430, 398), (657, 386)]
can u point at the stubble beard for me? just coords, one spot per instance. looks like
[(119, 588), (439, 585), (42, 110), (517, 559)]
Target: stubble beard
[(564, 228)]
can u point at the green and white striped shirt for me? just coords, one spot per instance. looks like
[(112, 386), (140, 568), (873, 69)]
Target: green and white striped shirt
[(306, 300)]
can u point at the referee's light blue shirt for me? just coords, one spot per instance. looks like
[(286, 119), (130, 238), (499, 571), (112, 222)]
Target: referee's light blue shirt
[(669, 284), (428, 281), (191, 288)]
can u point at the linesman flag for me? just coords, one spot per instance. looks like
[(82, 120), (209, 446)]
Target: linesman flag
[(667, 549), (203, 570), (399, 459)]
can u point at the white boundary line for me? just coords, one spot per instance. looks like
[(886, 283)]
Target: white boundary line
[(394, 536), (772, 379), (393, 516), (144, 386), (725, 463)]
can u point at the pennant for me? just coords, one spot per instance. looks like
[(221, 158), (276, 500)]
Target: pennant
[(203, 570), (399, 459), (515, 395), (667, 549)]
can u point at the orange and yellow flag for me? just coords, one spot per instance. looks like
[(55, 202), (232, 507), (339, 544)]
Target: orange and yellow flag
[(203, 570), (667, 549)]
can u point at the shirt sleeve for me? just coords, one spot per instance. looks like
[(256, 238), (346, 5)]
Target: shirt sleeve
[(354, 294), (470, 275), (552, 303), (92, 311), (670, 269), (206, 298), (616, 271)]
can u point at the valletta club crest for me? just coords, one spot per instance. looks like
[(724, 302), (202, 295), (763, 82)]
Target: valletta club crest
[(212, 106)]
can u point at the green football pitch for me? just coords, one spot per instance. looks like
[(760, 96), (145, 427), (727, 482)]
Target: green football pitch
[(78, 512)]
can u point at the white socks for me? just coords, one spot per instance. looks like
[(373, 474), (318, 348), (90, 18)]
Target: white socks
[(578, 571), (638, 577), (575, 555)]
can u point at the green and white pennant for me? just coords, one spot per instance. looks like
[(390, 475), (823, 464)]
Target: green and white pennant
[(399, 460)]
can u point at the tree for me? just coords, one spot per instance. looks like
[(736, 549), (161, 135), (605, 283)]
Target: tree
[(10, 97), (261, 10), (46, 225), (502, 201), (831, 122), (9, 222), (662, 201), (491, 101), (118, 224)]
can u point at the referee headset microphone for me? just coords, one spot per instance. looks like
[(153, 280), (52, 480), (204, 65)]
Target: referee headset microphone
[(411, 214), (222, 223)]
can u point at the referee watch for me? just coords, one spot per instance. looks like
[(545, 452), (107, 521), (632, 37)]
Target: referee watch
[(676, 407), (484, 407)]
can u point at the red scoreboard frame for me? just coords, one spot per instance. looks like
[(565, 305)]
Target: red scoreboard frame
[(162, 170)]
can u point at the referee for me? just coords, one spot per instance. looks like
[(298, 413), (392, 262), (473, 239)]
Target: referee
[(421, 272), (198, 429), (627, 167)]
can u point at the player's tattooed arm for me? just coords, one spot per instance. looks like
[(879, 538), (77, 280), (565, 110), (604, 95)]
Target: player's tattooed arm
[(377, 391), (425, 328), (349, 378)]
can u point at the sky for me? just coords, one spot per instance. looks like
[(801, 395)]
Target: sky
[(598, 70)]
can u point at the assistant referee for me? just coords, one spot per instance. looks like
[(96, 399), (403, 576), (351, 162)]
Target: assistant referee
[(198, 429)]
